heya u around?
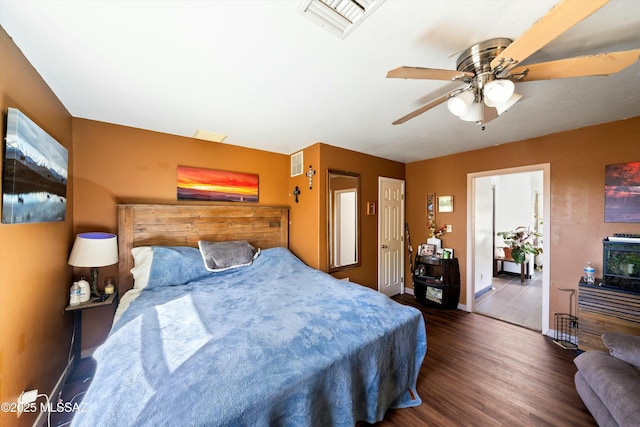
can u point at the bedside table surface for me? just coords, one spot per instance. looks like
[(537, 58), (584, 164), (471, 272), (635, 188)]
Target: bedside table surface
[(91, 304)]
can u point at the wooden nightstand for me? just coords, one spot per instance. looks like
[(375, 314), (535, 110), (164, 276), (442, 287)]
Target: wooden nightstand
[(77, 320)]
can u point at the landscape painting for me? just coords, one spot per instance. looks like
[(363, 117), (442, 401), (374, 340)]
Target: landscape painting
[(622, 192), (216, 185), (34, 182)]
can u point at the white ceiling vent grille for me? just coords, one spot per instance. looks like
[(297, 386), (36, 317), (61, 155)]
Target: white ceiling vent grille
[(339, 17), (296, 163)]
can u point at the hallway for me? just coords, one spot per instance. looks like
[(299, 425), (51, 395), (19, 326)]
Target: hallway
[(514, 302)]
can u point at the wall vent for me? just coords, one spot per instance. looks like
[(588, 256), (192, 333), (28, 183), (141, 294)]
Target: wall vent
[(339, 17), (296, 163)]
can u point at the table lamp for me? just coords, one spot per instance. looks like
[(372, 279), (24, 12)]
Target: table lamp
[(94, 249)]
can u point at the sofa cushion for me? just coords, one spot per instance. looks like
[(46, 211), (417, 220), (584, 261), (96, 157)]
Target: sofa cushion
[(616, 383), (623, 346), (593, 403)]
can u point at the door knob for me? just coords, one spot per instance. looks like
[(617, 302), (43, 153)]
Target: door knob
[(384, 246)]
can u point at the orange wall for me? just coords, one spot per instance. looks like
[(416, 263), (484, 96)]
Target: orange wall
[(305, 232), (118, 164), (577, 161), (35, 332), (369, 168)]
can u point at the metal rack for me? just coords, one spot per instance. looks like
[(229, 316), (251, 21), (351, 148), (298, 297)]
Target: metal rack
[(566, 325)]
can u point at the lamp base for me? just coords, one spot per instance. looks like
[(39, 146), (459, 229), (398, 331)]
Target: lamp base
[(94, 282)]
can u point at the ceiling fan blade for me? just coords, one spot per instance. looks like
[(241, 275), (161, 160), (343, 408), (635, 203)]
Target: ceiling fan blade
[(592, 65), (422, 109), (488, 113), (563, 16), (426, 73)]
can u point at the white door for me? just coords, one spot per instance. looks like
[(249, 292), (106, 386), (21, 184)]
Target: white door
[(390, 236)]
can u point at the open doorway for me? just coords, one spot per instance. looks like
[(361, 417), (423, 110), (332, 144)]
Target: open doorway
[(502, 200)]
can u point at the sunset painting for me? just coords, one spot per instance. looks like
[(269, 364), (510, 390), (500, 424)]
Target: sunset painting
[(216, 185), (622, 192)]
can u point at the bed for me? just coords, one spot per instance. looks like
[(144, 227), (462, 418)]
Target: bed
[(274, 342)]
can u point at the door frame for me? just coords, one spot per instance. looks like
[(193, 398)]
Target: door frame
[(546, 233), (401, 265)]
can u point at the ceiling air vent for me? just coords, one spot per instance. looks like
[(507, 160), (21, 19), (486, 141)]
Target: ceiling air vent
[(296, 163), (339, 17)]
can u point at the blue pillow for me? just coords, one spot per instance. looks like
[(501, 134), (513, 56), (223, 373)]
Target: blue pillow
[(175, 265)]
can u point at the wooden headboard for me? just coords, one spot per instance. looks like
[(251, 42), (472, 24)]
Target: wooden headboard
[(183, 225)]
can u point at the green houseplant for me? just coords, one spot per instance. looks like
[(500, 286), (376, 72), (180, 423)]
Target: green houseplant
[(521, 242)]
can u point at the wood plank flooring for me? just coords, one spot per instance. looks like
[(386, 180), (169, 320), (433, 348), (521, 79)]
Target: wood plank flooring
[(480, 371)]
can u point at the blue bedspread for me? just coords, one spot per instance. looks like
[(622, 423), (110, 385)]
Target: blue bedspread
[(276, 343)]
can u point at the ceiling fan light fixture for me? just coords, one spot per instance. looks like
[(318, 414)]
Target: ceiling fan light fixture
[(474, 113), (498, 91), (459, 105)]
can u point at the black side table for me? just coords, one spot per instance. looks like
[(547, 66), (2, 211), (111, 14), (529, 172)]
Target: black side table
[(77, 320)]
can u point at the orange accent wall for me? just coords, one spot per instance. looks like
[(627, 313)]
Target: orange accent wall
[(305, 231), (369, 168), (119, 164), (577, 161), (35, 332)]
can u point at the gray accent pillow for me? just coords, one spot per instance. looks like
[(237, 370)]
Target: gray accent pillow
[(221, 256), (623, 346)]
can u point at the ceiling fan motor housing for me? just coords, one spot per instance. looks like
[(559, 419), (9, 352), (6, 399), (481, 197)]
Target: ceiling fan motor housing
[(477, 60)]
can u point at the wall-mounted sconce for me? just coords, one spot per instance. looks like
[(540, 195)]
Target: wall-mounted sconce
[(296, 193), (310, 174)]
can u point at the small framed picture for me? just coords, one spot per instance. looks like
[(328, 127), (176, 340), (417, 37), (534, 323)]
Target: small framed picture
[(426, 249), (431, 208), (447, 253), (445, 203), (371, 208), (429, 250)]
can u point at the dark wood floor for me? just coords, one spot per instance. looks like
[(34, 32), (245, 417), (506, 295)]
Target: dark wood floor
[(479, 371)]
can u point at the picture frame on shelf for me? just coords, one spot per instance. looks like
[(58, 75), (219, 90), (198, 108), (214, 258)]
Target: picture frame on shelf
[(429, 249)]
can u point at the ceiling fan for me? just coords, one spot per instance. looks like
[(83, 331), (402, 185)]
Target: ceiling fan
[(488, 69)]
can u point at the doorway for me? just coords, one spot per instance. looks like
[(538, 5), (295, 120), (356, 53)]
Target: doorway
[(496, 199)]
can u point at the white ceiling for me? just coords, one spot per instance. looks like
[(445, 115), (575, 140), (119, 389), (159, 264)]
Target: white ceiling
[(261, 73)]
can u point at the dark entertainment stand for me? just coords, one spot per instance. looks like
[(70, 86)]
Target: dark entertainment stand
[(436, 281)]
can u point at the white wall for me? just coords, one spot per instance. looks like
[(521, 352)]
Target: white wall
[(515, 196), (483, 227)]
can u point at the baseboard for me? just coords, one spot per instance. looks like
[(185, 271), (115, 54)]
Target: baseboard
[(573, 339), (483, 291), (41, 421), (409, 291)]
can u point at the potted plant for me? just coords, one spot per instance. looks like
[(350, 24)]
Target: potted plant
[(521, 242)]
